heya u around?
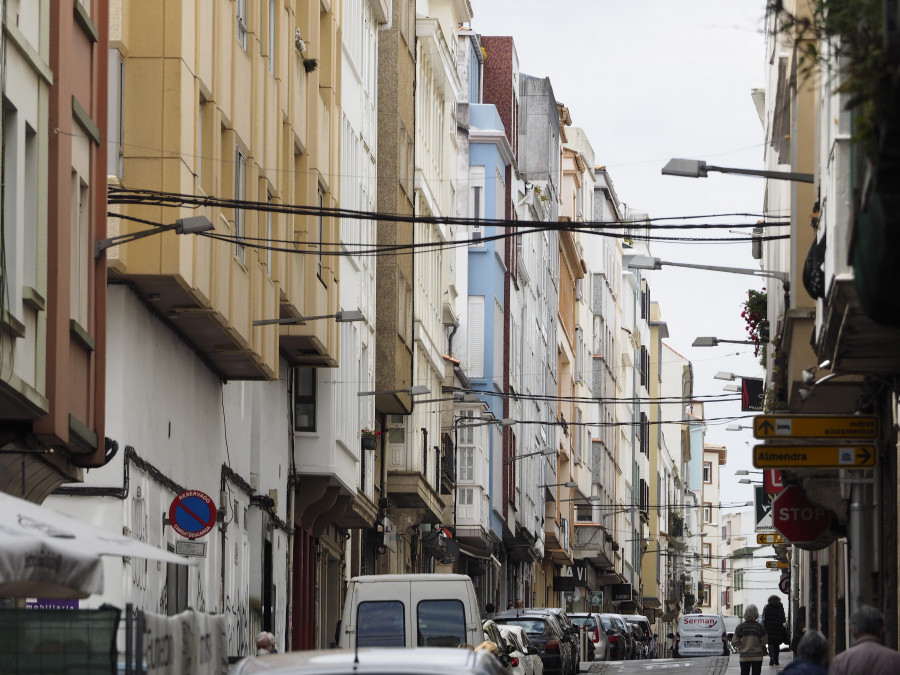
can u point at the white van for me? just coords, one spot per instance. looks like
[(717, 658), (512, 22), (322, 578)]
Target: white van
[(410, 610), (701, 635)]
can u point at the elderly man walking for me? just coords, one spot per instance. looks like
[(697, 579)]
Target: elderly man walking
[(868, 655)]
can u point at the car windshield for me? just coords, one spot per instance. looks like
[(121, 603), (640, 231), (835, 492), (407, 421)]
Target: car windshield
[(535, 627)]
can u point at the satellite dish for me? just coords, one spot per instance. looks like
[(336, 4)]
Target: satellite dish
[(576, 596)]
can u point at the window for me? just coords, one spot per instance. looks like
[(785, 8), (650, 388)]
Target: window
[(116, 107), (441, 623), (268, 228), (739, 581), (707, 472), (705, 595), (305, 399), (707, 554), (380, 624), (272, 36), (466, 463), (176, 587), (320, 234), (707, 512), (240, 194), (241, 9), (81, 228), (204, 145)]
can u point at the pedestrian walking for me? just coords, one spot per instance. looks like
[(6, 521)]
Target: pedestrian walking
[(750, 642), (812, 655), (773, 620), (868, 655)]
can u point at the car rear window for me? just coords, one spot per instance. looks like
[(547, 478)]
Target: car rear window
[(586, 621), (442, 623), (536, 627), (380, 624)]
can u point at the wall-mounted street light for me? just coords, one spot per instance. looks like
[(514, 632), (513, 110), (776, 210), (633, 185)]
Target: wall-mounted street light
[(546, 452), (748, 481), (714, 342), (646, 262), (746, 472), (735, 388), (416, 390), (569, 484), (189, 225), (730, 377), (737, 427), (343, 316), (697, 168)]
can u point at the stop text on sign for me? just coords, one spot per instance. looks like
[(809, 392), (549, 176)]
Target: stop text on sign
[(796, 513)]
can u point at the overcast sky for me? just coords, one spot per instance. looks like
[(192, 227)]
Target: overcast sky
[(649, 80)]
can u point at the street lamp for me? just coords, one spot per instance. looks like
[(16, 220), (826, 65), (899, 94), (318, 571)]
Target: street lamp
[(416, 390), (189, 225), (731, 377), (714, 342), (569, 484), (647, 262), (732, 388), (343, 316), (546, 452), (746, 472), (697, 168), (737, 427)]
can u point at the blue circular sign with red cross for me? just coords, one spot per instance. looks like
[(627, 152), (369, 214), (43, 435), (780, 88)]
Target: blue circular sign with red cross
[(192, 514)]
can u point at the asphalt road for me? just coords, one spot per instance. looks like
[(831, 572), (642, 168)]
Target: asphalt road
[(709, 665)]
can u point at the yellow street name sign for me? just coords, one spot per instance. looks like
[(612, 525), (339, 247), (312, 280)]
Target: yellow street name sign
[(776, 565), (852, 427), (769, 538), (820, 456)]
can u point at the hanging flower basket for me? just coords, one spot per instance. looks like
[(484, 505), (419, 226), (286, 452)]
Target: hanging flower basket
[(369, 438)]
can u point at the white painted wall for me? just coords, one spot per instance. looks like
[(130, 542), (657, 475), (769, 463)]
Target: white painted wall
[(185, 425)]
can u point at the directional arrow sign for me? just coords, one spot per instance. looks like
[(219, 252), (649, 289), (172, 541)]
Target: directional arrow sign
[(769, 538), (776, 565), (821, 456), (852, 427)]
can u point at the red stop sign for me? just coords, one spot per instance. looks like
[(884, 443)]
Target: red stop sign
[(798, 519)]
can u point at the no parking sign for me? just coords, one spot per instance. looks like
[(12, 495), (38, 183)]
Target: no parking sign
[(192, 514)]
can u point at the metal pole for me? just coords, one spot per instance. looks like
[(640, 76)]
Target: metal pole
[(129, 636), (854, 535)]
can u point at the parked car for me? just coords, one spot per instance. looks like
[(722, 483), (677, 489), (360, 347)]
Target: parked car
[(525, 651), (614, 637), (626, 648), (570, 630), (591, 623), (637, 634), (701, 635), (375, 661), (648, 640), (504, 648), (410, 610), (731, 624), (546, 634)]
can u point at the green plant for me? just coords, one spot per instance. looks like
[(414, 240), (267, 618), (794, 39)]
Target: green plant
[(754, 313), (854, 32)]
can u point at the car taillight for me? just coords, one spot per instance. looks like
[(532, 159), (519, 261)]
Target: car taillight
[(677, 638), (552, 646), (596, 635), (614, 638), (725, 638), (514, 662)]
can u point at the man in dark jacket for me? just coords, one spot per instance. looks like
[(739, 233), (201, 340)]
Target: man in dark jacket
[(773, 619), (867, 655)]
